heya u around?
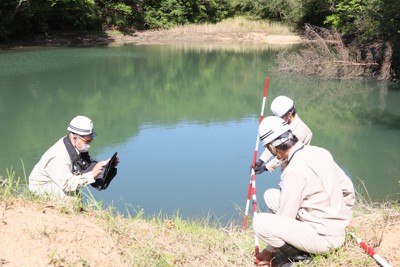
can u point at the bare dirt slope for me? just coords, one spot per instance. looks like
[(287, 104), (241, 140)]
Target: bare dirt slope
[(176, 36), (32, 235), (381, 231), (42, 235)]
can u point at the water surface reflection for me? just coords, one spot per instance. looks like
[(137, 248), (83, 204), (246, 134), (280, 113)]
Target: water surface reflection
[(184, 120)]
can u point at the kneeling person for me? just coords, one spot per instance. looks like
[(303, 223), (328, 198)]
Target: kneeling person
[(314, 204)]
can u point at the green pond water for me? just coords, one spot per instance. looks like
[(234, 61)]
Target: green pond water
[(184, 121)]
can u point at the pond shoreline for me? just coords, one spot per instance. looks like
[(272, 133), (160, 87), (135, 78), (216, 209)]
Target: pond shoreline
[(173, 36)]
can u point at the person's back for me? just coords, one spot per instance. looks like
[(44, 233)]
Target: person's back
[(315, 178), (301, 130), (40, 182)]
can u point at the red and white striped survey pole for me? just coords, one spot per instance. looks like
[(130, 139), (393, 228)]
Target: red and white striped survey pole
[(252, 184), (370, 251)]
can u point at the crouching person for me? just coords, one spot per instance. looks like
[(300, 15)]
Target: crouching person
[(66, 167), (313, 207)]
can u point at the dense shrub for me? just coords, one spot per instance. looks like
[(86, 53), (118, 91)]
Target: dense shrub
[(166, 14)]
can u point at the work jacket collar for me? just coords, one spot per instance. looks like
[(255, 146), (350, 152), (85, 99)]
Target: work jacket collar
[(81, 162), (72, 152), (298, 146)]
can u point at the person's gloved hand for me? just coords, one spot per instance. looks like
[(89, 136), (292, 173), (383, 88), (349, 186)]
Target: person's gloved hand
[(260, 169), (258, 164)]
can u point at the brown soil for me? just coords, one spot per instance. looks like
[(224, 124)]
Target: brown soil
[(380, 229), (390, 244), (160, 37), (44, 235), (32, 235)]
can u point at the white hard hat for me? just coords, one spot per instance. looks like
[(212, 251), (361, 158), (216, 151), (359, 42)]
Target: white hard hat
[(281, 105), (81, 125), (271, 128)]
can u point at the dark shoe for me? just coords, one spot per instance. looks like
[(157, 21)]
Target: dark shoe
[(297, 263), (290, 255), (279, 260)]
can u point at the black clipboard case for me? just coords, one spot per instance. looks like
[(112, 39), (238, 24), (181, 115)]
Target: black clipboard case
[(109, 172)]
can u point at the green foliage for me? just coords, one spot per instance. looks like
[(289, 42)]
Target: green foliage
[(7, 9), (169, 13), (368, 18), (370, 21), (166, 14), (390, 18), (295, 12), (118, 15), (355, 17), (310, 12), (70, 15), (18, 18), (22, 17), (263, 9)]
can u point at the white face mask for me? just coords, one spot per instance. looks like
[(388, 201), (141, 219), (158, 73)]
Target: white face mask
[(84, 148)]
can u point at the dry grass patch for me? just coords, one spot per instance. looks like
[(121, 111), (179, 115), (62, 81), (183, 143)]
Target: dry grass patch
[(235, 25), (228, 32), (177, 242)]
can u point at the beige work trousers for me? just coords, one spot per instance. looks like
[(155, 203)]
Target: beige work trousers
[(276, 230)]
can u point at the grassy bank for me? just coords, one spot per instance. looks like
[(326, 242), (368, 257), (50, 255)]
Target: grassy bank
[(89, 235)]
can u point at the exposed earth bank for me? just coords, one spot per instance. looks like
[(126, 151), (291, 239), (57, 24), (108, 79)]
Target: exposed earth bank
[(174, 36), (42, 234)]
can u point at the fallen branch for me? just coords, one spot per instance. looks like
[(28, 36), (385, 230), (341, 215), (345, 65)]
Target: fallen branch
[(349, 63)]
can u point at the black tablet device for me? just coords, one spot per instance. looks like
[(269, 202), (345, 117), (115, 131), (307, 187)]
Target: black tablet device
[(106, 176)]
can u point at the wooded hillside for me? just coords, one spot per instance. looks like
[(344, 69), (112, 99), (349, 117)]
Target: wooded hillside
[(372, 25)]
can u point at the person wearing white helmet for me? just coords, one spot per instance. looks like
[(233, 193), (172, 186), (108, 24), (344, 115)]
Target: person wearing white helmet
[(284, 107), (66, 167), (313, 206)]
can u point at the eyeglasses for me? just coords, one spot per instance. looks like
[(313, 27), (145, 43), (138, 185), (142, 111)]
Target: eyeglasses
[(85, 140)]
